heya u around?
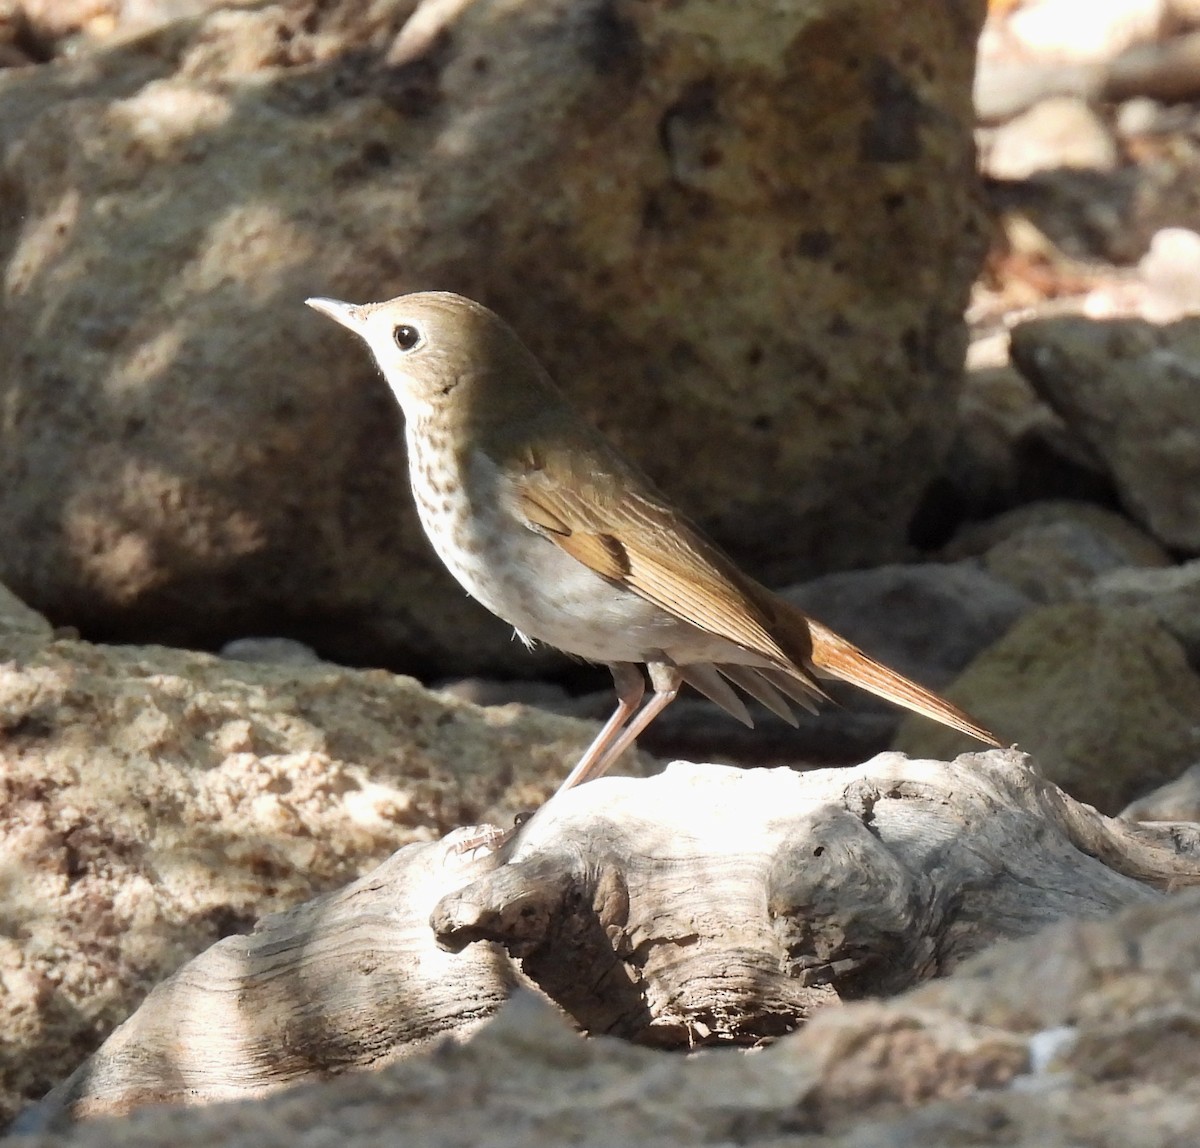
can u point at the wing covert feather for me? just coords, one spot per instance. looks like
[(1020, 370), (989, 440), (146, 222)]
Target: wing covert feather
[(648, 549)]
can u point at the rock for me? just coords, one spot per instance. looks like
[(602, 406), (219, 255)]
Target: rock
[(275, 651), (927, 621), (1052, 551), (190, 456), (1010, 448), (1005, 87), (1102, 697), (1165, 287), (18, 620), (980, 470), (1171, 273), (1082, 975), (1171, 594), (1130, 389), (50, 21), (15, 49), (1142, 116), (1104, 987), (1086, 216), (536, 1082), (487, 692), (1178, 800), (1054, 30), (1033, 51), (154, 800), (1169, 71), (1062, 131)]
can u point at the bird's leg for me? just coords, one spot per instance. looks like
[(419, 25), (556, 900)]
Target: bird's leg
[(666, 681), (631, 687)]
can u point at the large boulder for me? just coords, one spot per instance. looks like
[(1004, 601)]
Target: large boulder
[(741, 237)]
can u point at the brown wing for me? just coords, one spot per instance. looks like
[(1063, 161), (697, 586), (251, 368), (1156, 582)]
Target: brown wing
[(628, 536), (612, 521)]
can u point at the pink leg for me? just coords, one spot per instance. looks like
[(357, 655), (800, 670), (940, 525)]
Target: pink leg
[(631, 687), (612, 741), (601, 755)]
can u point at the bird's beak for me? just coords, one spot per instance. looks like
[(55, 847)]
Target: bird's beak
[(348, 314)]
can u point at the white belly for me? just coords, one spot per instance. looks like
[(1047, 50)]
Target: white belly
[(533, 585)]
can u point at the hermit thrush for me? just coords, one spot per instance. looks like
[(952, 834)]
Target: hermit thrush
[(543, 522)]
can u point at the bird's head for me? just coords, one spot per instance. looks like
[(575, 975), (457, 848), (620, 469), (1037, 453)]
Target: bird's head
[(434, 347)]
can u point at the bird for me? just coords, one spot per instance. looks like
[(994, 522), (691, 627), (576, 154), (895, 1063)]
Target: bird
[(549, 527)]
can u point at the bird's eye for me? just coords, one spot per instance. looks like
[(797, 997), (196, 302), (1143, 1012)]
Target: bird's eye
[(406, 337)]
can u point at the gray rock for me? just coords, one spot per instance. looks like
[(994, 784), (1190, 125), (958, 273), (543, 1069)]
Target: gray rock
[(1052, 551), (1178, 800), (1010, 448), (17, 619), (494, 692), (270, 651), (1171, 594), (1170, 271), (927, 621), (1132, 390), (1007, 88)]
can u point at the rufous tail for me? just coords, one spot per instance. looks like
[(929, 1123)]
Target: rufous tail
[(831, 654), (834, 655)]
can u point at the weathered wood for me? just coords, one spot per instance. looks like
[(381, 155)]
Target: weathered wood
[(349, 980), (704, 905)]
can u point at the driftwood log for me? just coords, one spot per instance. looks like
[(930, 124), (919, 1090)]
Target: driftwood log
[(705, 905)]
